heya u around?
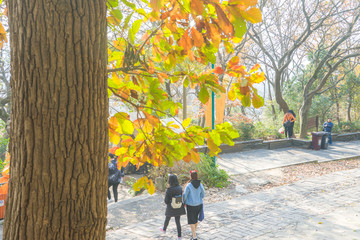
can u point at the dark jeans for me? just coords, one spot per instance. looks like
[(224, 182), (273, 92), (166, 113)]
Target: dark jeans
[(177, 221), (288, 131), (115, 186)]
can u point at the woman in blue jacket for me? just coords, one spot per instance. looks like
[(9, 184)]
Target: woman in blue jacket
[(193, 198)]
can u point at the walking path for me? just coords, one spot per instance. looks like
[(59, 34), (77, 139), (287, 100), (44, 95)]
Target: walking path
[(262, 159), (325, 207)]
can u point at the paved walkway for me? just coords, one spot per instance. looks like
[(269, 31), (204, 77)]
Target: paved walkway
[(257, 160), (320, 208)]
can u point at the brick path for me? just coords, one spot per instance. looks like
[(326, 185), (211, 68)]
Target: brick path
[(314, 207)]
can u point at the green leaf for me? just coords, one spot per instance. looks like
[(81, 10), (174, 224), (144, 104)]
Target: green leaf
[(127, 20), (112, 3), (246, 101), (117, 13), (130, 5), (215, 136), (134, 29), (240, 27), (257, 101), (204, 95)]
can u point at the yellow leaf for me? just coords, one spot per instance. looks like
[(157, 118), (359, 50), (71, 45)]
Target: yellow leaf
[(243, 2), (253, 15), (257, 78), (175, 126), (116, 80), (232, 94), (121, 151), (151, 187), (236, 40), (186, 122), (139, 184), (114, 137), (214, 149)]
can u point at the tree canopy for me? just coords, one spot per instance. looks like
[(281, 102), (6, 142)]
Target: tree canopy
[(153, 44)]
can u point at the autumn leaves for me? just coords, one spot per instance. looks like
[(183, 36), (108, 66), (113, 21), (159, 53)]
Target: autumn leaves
[(155, 45)]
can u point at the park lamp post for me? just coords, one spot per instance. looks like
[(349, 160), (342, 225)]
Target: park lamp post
[(213, 117)]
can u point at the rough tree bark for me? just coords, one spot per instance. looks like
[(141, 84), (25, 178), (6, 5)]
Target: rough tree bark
[(59, 136), (304, 113)]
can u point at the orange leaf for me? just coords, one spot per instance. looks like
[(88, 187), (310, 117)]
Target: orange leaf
[(213, 33), (219, 70), (162, 77), (145, 36), (187, 158), (197, 7), (255, 68), (155, 4), (152, 119), (224, 22), (198, 39), (185, 41), (234, 61), (113, 123), (195, 157)]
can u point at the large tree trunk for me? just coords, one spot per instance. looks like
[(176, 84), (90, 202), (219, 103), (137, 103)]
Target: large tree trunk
[(337, 106), (59, 140), (304, 113), (349, 109), (278, 93), (271, 101)]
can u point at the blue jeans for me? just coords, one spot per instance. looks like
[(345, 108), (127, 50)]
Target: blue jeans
[(330, 141)]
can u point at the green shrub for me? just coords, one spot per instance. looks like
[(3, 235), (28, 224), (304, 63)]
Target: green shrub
[(211, 175), (348, 126), (180, 169), (245, 130)]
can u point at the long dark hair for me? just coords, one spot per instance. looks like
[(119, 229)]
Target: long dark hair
[(292, 112), (173, 180)]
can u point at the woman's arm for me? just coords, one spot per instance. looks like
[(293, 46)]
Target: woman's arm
[(186, 193), (167, 197), (202, 193)]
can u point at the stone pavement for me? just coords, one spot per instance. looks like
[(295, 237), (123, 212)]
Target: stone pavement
[(263, 159), (325, 207)]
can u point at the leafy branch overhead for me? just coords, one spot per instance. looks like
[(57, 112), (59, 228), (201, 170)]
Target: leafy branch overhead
[(150, 40)]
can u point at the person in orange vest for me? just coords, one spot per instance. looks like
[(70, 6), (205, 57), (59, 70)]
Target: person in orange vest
[(288, 120)]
